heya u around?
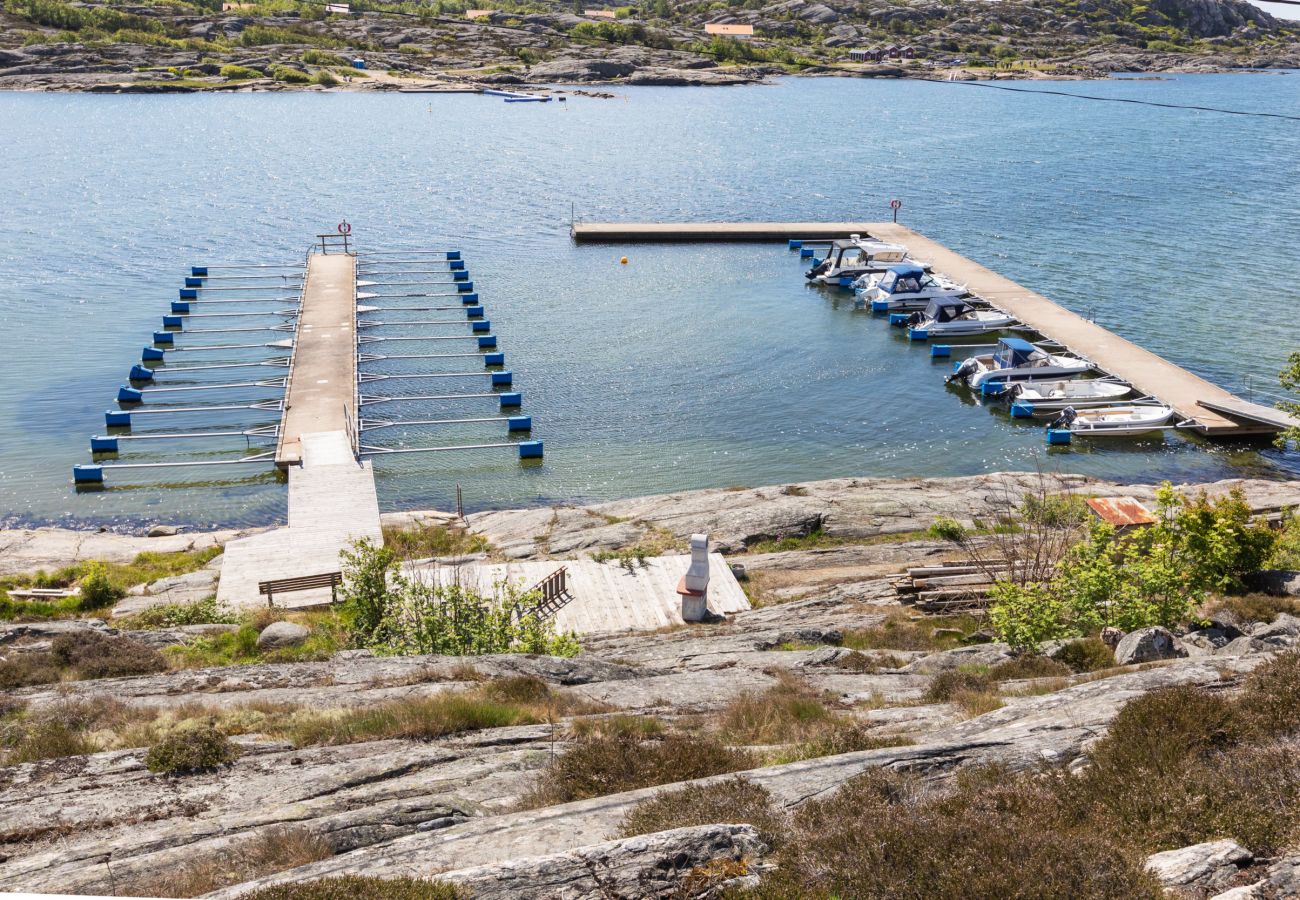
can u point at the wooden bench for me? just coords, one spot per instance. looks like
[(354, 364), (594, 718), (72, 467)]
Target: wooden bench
[(330, 580)]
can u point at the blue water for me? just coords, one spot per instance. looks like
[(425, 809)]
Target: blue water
[(690, 366)]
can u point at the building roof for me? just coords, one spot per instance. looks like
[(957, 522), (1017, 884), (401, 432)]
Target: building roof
[(478, 13), (600, 13), (1122, 512), (734, 30)]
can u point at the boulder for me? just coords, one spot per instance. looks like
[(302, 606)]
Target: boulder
[(1242, 646), (1278, 582), (568, 70), (162, 531), (278, 635), (1284, 631), (1207, 865), (973, 655), (1148, 645)]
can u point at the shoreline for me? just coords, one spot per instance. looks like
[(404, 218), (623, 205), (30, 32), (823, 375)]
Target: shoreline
[(734, 517)]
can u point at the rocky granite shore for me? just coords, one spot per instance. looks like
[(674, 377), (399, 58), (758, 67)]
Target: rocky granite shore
[(53, 45)]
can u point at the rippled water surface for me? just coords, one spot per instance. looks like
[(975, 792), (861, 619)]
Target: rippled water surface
[(690, 366)]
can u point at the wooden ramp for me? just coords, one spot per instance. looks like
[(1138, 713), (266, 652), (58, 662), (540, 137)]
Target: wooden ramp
[(607, 597)]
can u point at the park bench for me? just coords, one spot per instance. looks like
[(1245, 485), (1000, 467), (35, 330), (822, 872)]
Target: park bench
[(330, 580)]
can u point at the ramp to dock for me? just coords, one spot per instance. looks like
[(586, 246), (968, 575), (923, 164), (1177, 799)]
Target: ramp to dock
[(332, 500), (685, 232), (321, 394)]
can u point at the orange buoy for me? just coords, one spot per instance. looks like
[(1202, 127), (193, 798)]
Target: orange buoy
[(623, 261)]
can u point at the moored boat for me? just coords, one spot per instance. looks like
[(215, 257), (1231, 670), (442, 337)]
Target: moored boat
[(1048, 396), (904, 287), (1123, 420), (955, 317), (1016, 360), (847, 261)]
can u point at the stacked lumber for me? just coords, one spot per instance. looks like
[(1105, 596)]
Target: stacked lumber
[(950, 587)]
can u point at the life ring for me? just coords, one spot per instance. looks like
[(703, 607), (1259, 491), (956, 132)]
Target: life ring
[(344, 227), (895, 204)]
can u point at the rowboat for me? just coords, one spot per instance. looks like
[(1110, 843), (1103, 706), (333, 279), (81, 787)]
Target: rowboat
[(1043, 396)]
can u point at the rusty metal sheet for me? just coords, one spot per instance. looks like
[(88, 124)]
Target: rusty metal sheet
[(1122, 512)]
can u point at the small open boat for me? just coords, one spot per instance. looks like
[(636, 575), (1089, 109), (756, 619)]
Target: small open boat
[(854, 258), (955, 317), (1043, 396), (1016, 360), (1124, 420), (904, 287)]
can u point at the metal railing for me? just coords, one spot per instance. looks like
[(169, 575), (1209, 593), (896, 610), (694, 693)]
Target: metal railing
[(341, 243)]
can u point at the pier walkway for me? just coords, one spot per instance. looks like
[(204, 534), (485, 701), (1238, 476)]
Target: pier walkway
[(332, 500), (1216, 412)]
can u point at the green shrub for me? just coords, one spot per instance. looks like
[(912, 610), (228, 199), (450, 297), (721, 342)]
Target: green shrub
[(393, 614), (263, 35), (325, 78), (92, 654), (96, 590), (239, 73), (610, 764), (175, 615), (290, 75), (351, 887), (1270, 704), (1029, 665), (191, 749), (733, 800), (1086, 655), (26, 669), (321, 58), (945, 686)]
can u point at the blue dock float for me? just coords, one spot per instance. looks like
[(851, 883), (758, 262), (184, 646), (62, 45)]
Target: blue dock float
[(938, 351), (114, 418), (1022, 410), (164, 337), (461, 275), (465, 287), (456, 265), (530, 450), (481, 325), (453, 255), (795, 244), (199, 271), (1057, 437), (189, 293), (487, 341), (88, 473), (141, 373), (469, 299), (129, 395), (898, 319), (103, 444), (917, 334), (502, 378), (519, 423), (494, 359), (152, 354), (474, 312), (512, 399)]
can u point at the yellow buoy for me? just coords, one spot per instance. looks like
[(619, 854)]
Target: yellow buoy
[(623, 261)]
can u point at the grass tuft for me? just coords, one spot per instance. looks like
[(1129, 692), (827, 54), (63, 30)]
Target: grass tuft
[(269, 851), (189, 750), (733, 801), (351, 887)]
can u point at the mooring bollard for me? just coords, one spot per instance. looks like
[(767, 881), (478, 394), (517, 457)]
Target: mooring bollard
[(694, 586)]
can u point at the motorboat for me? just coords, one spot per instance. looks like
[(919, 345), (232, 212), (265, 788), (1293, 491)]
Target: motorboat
[(1016, 360), (1046, 396), (1123, 420), (955, 317), (847, 261), (904, 287)]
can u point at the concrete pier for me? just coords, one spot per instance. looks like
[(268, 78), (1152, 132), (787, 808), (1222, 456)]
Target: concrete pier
[(1216, 412)]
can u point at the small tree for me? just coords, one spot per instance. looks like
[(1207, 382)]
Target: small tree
[(1290, 380)]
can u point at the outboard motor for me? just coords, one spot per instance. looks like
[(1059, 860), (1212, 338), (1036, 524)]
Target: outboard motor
[(1064, 420), (915, 319), (967, 367), (820, 269)]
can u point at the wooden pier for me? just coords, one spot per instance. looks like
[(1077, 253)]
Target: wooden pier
[(1216, 412), (321, 395)]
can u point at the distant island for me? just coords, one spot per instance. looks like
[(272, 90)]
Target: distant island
[(195, 45)]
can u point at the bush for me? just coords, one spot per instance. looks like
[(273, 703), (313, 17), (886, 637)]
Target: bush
[(92, 654), (272, 850), (601, 765), (732, 801), (413, 718), (187, 750), (321, 58), (1253, 607), (1270, 704), (947, 685), (393, 614), (175, 615), (290, 75), (351, 887), (989, 834), (1029, 666), (96, 590), (239, 73), (325, 78), (1086, 655), (422, 541), (27, 669)]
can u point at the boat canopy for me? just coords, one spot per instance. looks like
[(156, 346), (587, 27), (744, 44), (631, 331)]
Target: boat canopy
[(945, 309), (902, 279), (1014, 352)]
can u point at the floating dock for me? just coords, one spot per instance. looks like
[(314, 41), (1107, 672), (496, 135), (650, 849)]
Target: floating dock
[(1214, 412), (321, 393), (662, 232)]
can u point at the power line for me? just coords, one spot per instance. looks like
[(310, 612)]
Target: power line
[(1215, 109)]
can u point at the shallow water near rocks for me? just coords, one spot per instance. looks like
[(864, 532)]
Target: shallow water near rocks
[(691, 366)]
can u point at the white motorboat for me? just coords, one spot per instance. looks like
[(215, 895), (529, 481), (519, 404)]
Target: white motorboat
[(955, 317), (1124, 420), (1046, 396), (847, 261), (904, 287), (1016, 360)]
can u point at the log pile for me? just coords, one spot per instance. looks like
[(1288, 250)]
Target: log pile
[(945, 588)]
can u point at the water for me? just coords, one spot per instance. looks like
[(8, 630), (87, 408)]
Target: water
[(691, 366)]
